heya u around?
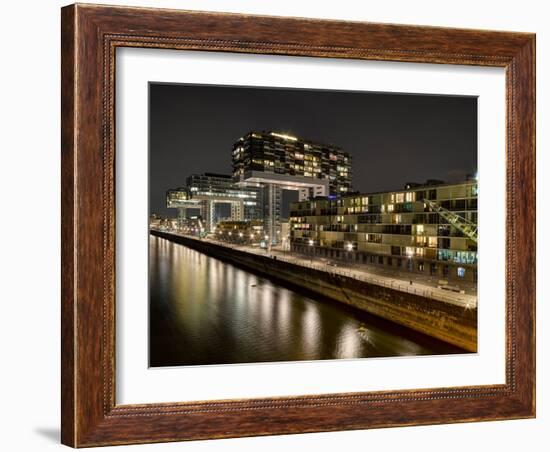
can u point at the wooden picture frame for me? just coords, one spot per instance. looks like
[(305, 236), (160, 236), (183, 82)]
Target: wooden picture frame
[(90, 36)]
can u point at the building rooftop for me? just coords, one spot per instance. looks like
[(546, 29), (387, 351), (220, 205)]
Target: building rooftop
[(289, 137), (430, 183), (221, 176)]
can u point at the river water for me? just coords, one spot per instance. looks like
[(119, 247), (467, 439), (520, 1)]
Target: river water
[(205, 311)]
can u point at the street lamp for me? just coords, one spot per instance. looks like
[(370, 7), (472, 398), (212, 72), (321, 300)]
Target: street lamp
[(311, 244), (409, 262)]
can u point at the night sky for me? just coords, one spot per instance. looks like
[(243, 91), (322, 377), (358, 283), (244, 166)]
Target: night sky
[(392, 138)]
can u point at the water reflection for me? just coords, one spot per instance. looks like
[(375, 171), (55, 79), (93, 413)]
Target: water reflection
[(204, 311)]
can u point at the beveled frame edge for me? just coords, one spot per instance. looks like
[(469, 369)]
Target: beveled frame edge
[(90, 35)]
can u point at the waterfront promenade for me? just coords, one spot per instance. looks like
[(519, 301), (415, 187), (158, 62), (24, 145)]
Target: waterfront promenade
[(400, 281)]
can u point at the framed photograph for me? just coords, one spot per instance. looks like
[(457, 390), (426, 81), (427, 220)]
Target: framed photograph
[(281, 225)]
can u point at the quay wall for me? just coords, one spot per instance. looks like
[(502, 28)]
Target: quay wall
[(445, 321)]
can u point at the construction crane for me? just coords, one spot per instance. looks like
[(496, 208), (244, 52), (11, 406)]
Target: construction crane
[(468, 228)]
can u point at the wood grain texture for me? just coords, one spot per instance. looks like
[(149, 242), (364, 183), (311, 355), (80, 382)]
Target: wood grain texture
[(90, 36), (68, 244)]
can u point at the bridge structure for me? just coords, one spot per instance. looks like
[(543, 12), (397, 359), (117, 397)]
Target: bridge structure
[(273, 186), (204, 192), (206, 205)]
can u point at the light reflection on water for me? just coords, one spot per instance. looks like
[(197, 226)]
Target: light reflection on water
[(204, 311)]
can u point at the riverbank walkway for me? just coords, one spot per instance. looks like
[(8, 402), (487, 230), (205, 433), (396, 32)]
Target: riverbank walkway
[(402, 281)]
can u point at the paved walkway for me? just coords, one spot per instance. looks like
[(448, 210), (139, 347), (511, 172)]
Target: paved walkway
[(421, 285)]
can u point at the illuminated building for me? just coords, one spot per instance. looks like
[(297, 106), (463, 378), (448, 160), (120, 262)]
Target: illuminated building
[(277, 161), (162, 223), (429, 228), (203, 192), (245, 232)]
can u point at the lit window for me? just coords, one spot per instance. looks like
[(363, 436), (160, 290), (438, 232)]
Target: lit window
[(461, 272), (399, 197)]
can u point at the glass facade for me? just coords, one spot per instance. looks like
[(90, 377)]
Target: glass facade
[(220, 187), (433, 224), (277, 153), (217, 188)]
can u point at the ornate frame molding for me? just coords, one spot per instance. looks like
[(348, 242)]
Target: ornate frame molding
[(90, 36)]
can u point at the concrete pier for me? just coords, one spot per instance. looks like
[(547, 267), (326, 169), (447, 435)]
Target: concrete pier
[(450, 322)]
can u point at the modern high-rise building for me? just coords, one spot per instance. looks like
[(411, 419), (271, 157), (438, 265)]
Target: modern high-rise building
[(266, 155), (276, 162), (206, 191), (429, 228)]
